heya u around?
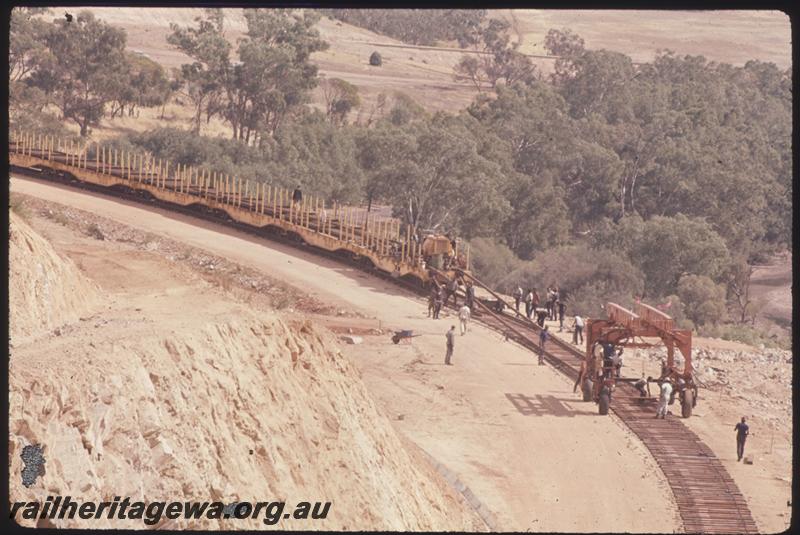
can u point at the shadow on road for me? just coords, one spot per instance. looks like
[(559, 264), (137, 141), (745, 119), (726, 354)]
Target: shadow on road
[(539, 405)]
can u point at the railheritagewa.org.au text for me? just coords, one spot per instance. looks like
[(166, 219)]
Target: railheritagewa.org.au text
[(151, 513)]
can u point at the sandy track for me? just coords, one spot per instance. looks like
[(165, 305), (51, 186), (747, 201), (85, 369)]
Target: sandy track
[(510, 430)]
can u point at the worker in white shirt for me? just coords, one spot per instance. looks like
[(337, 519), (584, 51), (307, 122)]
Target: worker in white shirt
[(578, 333), (663, 400), (463, 317)]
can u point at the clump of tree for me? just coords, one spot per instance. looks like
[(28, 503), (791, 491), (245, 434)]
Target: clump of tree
[(270, 82), (26, 44), (586, 277), (78, 67), (340, 99), (148, 86), (415, 26), (495, 58), (434, 174), (704, 299), (492, 260)]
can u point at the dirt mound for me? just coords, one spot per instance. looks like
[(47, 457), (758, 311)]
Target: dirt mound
[(46, 291)]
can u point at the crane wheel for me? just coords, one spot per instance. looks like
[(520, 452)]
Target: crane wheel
[(587, 390), (687, 404), (605, 401)]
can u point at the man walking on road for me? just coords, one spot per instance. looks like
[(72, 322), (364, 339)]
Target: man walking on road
[(451, 338), (663, 399), (463, 317), (742, 430), (544, 335)]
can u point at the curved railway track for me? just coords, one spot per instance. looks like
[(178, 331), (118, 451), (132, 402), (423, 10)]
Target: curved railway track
[(707, 498)]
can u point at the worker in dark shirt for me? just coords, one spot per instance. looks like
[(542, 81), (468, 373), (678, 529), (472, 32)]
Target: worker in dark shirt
[(544, 335), (451, 337), (437, 302), (470, 300), (297, 195), (742, 430), (541, 314), (452, 289)]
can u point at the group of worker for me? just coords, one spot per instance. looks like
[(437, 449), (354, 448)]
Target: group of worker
[(440, 294), (554, 307)]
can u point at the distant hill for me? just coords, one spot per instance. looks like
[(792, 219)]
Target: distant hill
[(426, 74)]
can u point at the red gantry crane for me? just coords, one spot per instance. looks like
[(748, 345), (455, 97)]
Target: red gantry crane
[(605, 339)]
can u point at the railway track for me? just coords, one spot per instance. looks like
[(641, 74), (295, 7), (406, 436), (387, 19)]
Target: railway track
[(707, 498)]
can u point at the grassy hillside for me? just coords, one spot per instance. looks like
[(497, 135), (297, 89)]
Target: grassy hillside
[(727, 36)]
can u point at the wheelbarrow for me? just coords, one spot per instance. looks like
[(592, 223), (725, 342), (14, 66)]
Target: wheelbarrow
[(403, 335)]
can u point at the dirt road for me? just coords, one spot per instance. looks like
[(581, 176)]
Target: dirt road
[(510, 430)]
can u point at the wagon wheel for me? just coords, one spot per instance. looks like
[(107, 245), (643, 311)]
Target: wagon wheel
[(605, 401), (587, 390)]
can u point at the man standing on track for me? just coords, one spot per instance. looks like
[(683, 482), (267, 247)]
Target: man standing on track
[(541, 314), (547, 296), (451, 338), (663, 399), (463, 317), (529, 303), (562, 309), (544, 335), (517, 298), (742, 430)]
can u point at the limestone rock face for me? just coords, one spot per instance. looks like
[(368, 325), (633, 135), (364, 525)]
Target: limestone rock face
[(46, 290)]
